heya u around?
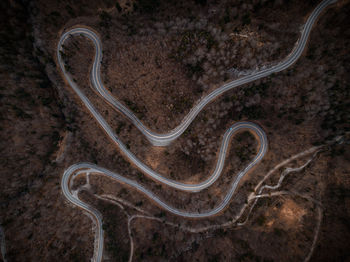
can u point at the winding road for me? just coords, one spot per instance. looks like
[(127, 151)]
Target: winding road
[(165, 139)]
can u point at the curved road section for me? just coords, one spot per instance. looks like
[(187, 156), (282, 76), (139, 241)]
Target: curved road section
[(164, 139)]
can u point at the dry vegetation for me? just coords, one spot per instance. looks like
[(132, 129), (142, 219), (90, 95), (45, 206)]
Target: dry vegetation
[(160, 57)]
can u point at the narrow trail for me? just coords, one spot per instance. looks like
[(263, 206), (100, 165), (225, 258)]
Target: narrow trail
[(317, 231), (251, 201)]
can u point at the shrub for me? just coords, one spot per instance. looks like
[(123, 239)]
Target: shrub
[(194, 69), (146, 6), (201, 2), (246, 19), (261, 220), (117, 5), (254, 112), (105, 19)]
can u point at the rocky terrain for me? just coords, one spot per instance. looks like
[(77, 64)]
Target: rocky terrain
[(159, 58)]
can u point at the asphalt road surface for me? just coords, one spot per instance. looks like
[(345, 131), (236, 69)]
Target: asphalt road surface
[(165, 139)]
